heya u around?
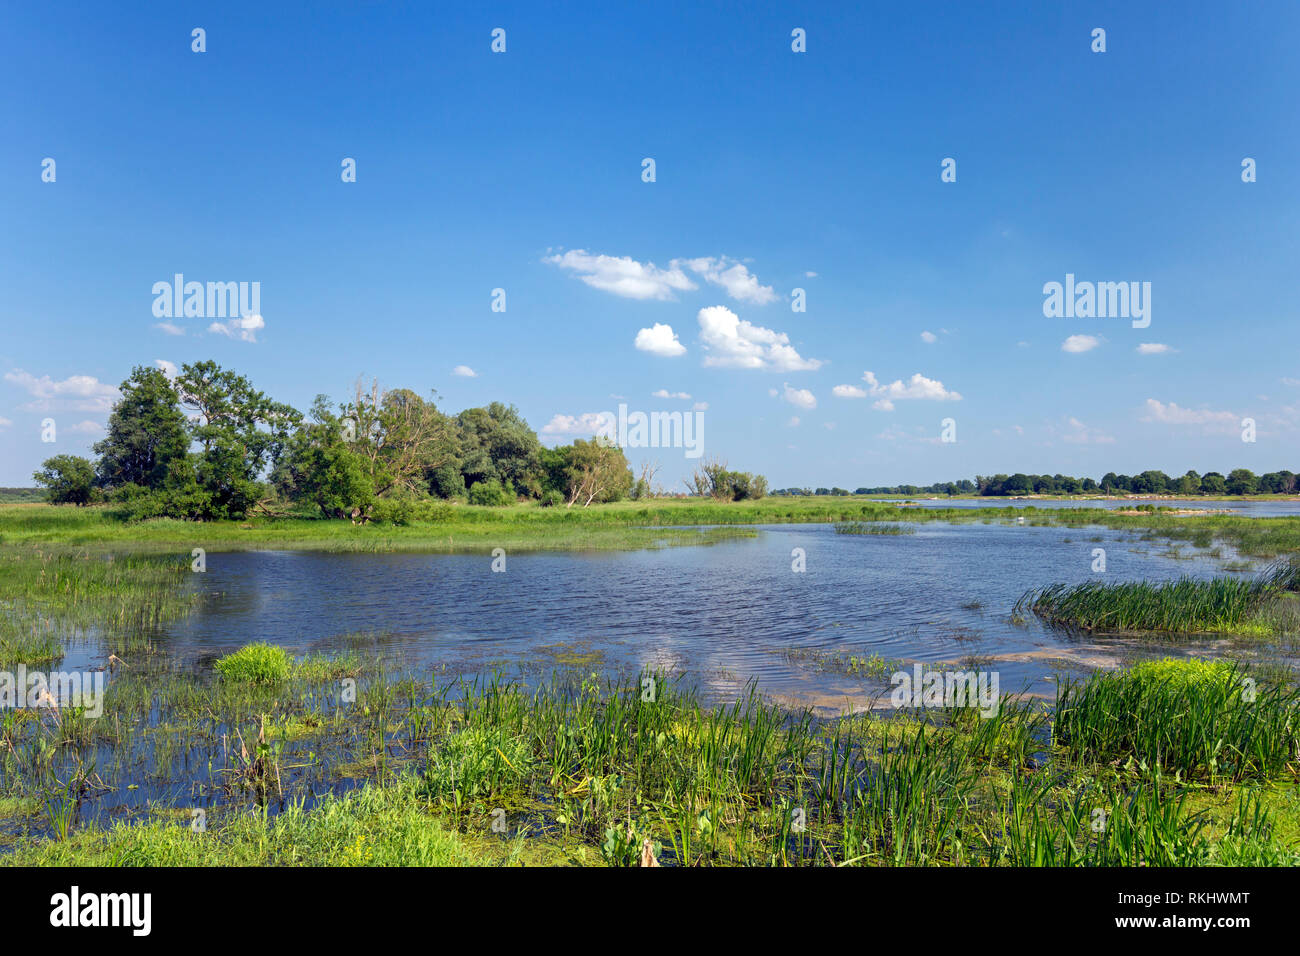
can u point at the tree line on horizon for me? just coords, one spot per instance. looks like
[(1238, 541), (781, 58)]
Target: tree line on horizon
[(1239, 481)]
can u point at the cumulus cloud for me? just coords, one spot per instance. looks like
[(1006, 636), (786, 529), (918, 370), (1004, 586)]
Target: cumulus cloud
[(169, 327), (732, 276), (659, 339), (1078, 433), (735, 343), (1152, 348), (79, 393), (588, 423), (1080, 343), (929, 338), (1173, 414), (664, 393), (800, 397), (916, 388), (85, 428), (848, 391), (464, 371), (244, 329), (623, 275), (626, 277), (168, 368), (5, 422)]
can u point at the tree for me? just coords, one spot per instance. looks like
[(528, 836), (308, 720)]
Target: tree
[(496, 442), (1190, 483), (402, 437), (597, 470), (321, 465), (1242, 481), (241, 432), (68, 479), (1212, 483), (146, 432)]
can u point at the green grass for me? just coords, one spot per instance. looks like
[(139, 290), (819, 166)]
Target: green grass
[(597, 773), (627, 524), (375, 826), (1185, 717), (1186, 606), (257, 663)]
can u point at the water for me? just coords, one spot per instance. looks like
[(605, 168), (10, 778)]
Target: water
[(1270, 508), (723, 614)]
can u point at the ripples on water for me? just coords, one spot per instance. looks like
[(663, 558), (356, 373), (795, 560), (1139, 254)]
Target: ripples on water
[(723, 614)]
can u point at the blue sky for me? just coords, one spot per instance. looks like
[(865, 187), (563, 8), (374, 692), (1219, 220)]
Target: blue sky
[(775, 170)]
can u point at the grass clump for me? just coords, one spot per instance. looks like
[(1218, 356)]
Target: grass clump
[(257, 663), (1190, 718), (1187, 605)]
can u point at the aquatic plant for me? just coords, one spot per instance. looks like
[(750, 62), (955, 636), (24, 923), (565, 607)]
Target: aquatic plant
[(256, 663)]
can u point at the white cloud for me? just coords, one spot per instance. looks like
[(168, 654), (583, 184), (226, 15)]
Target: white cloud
[(848, 391), (1080, 343), (732, 276), (588, 423), (929, 338), (168, 368), (5, 422), (800, 397), (1291, 381), (1152, 348), (623, 275), (245, 329), (810, 274), (1173, 414), (169, 327), (700, 407), (734, 343), (85, 428), (659, 339), (916, 388), (464, 371), (664, 393), (626, 277), (1081, 434), (793, 422), (79, 393)]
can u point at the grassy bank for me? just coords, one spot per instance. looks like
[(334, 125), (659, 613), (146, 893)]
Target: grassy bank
[(579, 772), (628, 524)]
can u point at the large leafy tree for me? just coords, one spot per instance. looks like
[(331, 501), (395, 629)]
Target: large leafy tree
[(496, 442), (68, 479), (321, 465), (146, 432), (596, 471), (402, 437), (240, 433)]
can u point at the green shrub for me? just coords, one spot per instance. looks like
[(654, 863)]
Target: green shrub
[(552, 499), (491, 493), (257, 663)]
